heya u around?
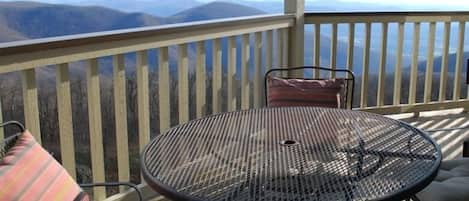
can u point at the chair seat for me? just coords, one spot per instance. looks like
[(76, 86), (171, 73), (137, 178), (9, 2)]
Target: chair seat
[(451, 183)]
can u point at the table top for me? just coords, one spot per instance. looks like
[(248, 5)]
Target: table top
[(291, 153)]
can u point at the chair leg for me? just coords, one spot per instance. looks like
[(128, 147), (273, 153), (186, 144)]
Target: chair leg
[(413, 198), (131, 185), (465, 148)]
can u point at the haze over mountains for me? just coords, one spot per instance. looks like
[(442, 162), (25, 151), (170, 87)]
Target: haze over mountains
[(162, 8), (214, 10)]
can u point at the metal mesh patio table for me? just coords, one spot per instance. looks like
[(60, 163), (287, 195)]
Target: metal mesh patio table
[(291, 153)]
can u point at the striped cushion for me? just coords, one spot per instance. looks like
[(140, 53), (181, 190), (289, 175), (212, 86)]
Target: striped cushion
[(304, 92), (28, 172)]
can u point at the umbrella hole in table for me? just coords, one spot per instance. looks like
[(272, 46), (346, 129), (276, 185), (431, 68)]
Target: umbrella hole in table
[(289, 142)]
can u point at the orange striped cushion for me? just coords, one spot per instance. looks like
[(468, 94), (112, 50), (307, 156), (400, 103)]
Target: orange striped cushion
[(28, 172), (303, 92)]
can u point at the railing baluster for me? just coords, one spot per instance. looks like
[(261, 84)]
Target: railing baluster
[(285, 45), (257, 84), (244, 71), (231, 77), (200, 77), (333, 55), (96, 137), (414, 66), (444, 63), (120, 108), (143, 99), (317, 49), (64, 109), (183, 84), (268, 50), (351, 45), (282, 49), (366, 65), (268, 60), (398, 67), (467, 81), (429, 70), (459, 62), (2, 131), (216, 76), (278, 48), (30, 101), (382, 64), (163, 89)]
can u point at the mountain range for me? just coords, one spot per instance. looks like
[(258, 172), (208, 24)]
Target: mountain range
[(422, 66), (30, 20), (23, 20), (214, 10)]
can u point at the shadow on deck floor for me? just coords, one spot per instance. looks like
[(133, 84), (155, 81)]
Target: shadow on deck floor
[(450, 141)]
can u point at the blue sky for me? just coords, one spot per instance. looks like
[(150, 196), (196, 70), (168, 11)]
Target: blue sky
[(445, 3), (390, 2), (460, 4)]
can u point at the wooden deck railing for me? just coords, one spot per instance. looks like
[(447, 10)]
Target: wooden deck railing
[(26, 57), (253, 44), (399, 21)]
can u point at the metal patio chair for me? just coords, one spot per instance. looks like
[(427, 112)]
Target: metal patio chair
[(26, 170)]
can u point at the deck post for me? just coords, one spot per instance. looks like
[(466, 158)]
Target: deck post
[(296, 32)]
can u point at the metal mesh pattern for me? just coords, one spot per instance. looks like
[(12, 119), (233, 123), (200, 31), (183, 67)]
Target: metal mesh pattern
[(300, 153)]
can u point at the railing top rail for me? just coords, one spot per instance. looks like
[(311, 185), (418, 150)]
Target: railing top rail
[(388, 13), (401, 16), (123, 34)]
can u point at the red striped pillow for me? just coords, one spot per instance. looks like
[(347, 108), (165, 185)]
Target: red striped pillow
[(28, 172), (304, 92)]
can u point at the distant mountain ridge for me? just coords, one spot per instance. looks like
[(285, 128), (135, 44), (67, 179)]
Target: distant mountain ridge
[(28, 20), (422, 66), (21, 20), (152, 7), (215, 10)]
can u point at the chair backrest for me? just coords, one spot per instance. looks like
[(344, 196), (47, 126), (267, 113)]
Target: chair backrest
[(28, 172), (302, 91), (9, 142)]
